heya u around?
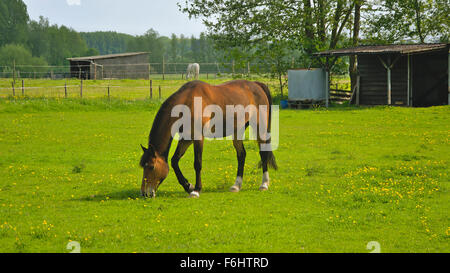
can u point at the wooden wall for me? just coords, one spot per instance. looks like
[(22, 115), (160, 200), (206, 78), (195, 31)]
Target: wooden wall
[(121, 67), (128, 67), (373, 84), (430, 79)]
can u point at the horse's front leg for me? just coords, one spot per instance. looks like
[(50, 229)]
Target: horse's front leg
[(198, 151), (183, 145)]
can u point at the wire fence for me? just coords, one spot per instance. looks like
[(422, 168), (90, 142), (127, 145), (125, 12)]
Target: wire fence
[(131, 71), (118, 88), (133, 81), (127, 89)]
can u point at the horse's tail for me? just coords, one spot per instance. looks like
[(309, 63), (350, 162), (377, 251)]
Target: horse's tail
[(271, 157), (269, 98)]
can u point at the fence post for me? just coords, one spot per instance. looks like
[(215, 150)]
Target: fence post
[(108, 92), (65, 89), (160, 92), (14, 90), (163, 68), (151, 89), (81, 89), (14, 71), (23, 88)]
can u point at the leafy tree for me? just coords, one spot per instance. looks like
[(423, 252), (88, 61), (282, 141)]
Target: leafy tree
[(92, 52), (281, 26), (151, 42), (13, 21), (64, 43), (173, 50), (107, 42), (13, 55), (38, 38), (422, 21), (54, 43)]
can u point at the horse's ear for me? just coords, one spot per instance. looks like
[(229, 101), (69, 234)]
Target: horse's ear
[(143, 148)]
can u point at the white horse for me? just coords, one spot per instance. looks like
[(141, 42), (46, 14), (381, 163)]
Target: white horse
[(193, 71)]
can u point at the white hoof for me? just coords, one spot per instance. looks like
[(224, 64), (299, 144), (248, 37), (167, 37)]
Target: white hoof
[(235, 189), (264, 187), (237, 185), (194, 194)]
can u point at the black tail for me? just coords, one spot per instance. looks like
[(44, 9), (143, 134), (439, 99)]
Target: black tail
[(271, 157), (270, 161), (269, 97)]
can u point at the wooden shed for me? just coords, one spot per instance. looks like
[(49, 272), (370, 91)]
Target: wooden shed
[(410, 75), (121, 66)]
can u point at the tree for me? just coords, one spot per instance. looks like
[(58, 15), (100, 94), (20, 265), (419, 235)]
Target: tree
[(38, 39), (421, 21), (107, 42), (13, 55), (149, 42), (355, 41), (173, 50), (264, 24), (13, 21)]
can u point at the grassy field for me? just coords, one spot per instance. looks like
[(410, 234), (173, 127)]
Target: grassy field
[(69, 172)]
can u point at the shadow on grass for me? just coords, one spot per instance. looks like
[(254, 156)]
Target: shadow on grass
[(136, 193)]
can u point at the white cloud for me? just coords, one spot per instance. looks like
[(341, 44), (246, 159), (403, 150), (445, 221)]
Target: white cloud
[(73, 2)]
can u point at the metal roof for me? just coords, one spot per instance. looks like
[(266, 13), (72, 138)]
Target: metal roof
[(383, 49), (110, 56)]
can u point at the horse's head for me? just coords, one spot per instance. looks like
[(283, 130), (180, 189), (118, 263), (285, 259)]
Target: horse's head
[(156, 170)]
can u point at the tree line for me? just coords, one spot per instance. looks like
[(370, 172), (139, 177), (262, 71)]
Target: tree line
[(39, 43), (277, 34)]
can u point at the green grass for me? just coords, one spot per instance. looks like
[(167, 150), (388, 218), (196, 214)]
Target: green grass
[(69, 171)]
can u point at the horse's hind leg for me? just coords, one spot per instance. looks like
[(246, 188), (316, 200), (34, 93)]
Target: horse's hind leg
[(240, 151), (183, 145), (265, 178), (198, 152)]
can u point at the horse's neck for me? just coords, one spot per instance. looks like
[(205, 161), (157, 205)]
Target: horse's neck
[(160, 137)]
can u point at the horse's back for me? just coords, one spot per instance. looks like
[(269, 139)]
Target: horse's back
[(236, 92)]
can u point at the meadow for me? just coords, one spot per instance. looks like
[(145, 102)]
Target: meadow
[(347, 175)]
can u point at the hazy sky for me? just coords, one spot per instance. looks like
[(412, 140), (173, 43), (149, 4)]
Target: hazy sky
[(127, 16)]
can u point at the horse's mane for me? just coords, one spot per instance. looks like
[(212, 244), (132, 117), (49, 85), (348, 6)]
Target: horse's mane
[(160, 136)]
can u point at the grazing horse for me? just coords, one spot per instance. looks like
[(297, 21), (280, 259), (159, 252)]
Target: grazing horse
[(193, 71), (243, 93)]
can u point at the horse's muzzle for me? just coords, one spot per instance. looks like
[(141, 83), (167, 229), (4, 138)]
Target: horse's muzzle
[(150, 193)]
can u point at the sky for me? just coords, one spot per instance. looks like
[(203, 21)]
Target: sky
[(126, 16)]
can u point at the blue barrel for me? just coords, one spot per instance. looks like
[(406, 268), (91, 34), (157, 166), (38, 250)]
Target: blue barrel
[(284, 104)]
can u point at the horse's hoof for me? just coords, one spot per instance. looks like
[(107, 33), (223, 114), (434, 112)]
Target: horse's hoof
[(194, 194), (264, 187), (235, 189)]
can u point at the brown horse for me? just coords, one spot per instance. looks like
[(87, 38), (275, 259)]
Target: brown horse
[(154, 161)]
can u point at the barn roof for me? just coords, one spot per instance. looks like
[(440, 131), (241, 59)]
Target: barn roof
[(110, 56), (383, 49)]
